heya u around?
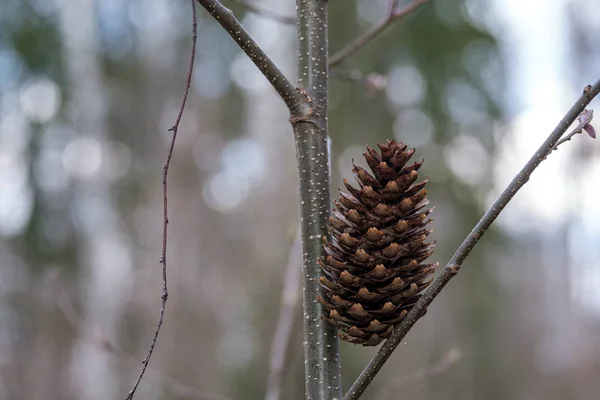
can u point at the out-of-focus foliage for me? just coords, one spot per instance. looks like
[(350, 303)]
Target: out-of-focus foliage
[(88, 90)]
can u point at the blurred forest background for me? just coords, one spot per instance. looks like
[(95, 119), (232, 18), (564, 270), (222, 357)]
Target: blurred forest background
[(88, 89)]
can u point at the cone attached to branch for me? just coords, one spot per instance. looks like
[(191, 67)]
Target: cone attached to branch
[(374, 270)]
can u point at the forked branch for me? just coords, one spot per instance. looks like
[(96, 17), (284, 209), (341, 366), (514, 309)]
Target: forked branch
[(295, 101), (308, 109), (393, 15), (469, 243)]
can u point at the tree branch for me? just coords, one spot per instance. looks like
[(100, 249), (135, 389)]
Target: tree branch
[(283, 330), (393, 15), (163, 258), (294, 100), (266, 13), (469, 243), (321, 354)]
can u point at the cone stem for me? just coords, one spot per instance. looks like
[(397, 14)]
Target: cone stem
[(469, 243), (322, 368)]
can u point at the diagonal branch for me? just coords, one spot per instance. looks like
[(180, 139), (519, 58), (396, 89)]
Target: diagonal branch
[(294, 100), (163, 258), (266, 13), (469, 243), (393, 15)]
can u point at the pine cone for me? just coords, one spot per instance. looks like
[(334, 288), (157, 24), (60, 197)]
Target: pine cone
[(374, 271)]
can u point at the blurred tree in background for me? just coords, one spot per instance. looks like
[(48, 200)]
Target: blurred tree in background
[(88, 90)]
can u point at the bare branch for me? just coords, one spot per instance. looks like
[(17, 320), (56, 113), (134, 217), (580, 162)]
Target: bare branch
[(393, 15), (295, 101), (321, 352), (266, 13), (283, 330), (469, 243), (163, 258)]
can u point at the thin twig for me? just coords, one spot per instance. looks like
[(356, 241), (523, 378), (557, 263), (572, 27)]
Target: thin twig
[(163, 259), (372, 82), (469, 243), (393, 15), (283, 329), (101, 341), (584, 119), (422, 375), (321, 351), (266, 13), (344, 74), (295, 101)]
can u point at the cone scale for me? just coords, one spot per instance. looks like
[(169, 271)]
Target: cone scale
[(374, 271)]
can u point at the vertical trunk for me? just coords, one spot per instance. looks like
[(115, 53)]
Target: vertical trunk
[(322, 368)]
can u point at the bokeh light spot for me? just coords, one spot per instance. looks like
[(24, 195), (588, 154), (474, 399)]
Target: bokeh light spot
[(467, 159), (413, 127), (40, 99)]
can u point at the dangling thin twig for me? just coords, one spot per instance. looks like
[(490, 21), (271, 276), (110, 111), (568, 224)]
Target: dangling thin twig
[(163, 258)]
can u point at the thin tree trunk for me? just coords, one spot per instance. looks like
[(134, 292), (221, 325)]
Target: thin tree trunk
[(321, 355)]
